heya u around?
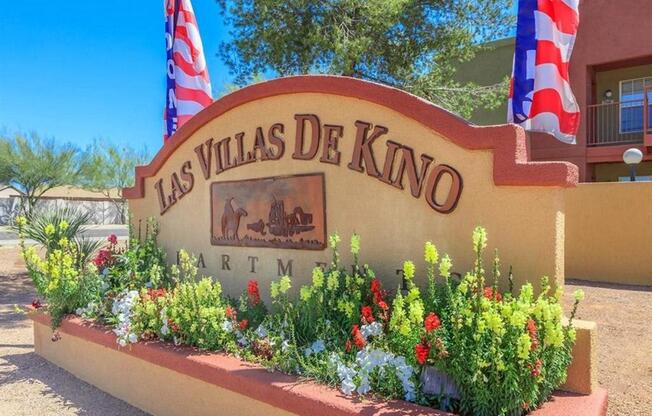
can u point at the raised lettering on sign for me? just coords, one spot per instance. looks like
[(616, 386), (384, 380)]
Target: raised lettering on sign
[(315, 140)]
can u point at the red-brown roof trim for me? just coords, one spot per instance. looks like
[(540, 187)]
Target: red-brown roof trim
[(508, 141)]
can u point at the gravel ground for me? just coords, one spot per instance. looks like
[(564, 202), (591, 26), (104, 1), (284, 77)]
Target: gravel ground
[(29, 385), (623, 314)]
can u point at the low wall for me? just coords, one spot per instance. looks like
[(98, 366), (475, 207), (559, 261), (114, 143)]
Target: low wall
[(103, 211), (165, 380), (606, 232)]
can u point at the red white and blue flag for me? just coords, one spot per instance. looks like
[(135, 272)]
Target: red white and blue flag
[(188, 84), (540, 96)]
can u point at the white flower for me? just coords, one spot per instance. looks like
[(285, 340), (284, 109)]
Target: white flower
[(318, 346), (348, 386), (227, 325), (165, 329), (366, 362), (122, 309), (373, 329), (244, 342), (364, 386), (307, 351), (89, 311), (261, 332)]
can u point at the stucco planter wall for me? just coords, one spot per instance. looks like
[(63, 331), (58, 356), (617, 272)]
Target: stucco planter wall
[(166, 380)]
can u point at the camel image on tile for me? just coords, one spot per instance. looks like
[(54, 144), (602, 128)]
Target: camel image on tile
[(281, 212)]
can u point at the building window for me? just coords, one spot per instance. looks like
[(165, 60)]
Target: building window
[(631, 104)]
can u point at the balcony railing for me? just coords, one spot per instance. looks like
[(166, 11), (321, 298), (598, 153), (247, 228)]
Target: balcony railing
[(617, 123)]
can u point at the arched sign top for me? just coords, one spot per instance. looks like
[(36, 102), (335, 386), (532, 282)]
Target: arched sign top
[(508, 142)]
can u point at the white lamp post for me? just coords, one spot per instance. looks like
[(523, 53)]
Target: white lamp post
[(632, 157)]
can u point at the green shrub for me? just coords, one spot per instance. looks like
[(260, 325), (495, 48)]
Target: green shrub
[(197, 312), (49, 227), (506, 352), (328, 307), (149, 316), (64, 286), (141, 264)]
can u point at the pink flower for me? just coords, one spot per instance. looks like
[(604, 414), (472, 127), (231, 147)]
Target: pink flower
[(112, 239)]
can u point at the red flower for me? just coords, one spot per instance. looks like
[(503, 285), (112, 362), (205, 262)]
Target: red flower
[(532, 331), (535, 369), (244, 324), (112, 239), (432, 322), (367, 314), (174, 327), (229, 312), (156, 293), (382, 305), (422, 351), (348, 345), (254, 293), (358, 339), (102, 258), (378, 293), (36, 304), (489, 294)]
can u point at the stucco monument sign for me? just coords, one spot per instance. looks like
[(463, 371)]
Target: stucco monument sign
[(254, 184)]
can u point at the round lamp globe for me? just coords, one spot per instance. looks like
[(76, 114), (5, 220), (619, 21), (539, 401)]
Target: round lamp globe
[(632, 156)]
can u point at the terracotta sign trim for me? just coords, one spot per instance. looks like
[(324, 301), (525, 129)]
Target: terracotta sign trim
[(508, 141)]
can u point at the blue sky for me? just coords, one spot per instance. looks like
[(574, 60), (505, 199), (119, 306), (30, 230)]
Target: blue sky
[(84, 70)]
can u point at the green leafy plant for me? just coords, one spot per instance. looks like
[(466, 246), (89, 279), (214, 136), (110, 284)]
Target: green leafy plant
[(150, 318), (51, 226), (330, 305), (58, 279), (197, 313), (141, 264), (506, 352)]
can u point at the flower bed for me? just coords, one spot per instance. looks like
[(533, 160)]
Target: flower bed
[(497, 352), (134, 384)]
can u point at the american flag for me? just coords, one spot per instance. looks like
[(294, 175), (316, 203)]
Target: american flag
[(540, 96), (188, 84)]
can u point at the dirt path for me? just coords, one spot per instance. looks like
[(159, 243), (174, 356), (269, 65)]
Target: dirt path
[(624, 317), (30, 385)]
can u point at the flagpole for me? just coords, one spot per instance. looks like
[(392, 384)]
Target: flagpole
[(175, 19)]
